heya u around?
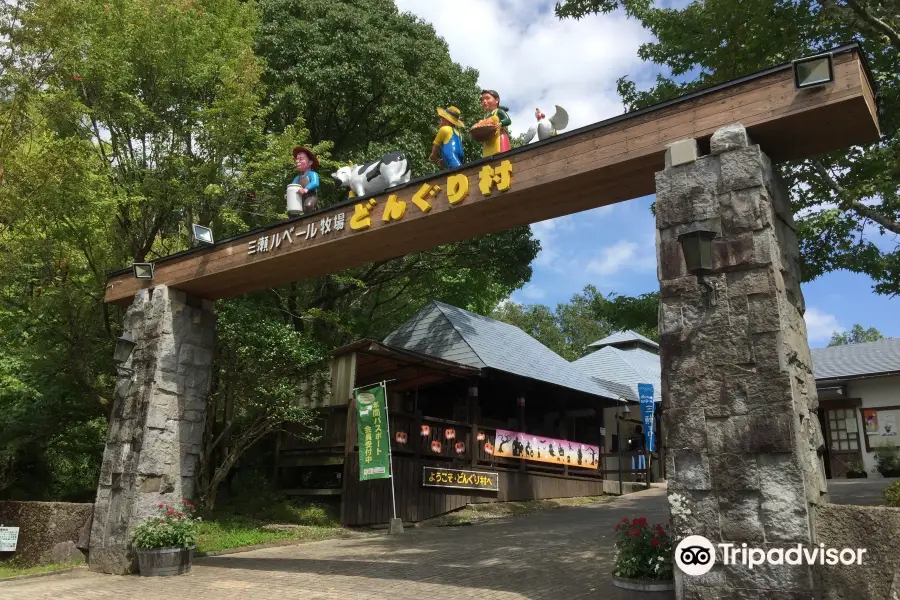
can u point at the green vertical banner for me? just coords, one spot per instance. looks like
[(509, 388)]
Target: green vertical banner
[(372, 434)]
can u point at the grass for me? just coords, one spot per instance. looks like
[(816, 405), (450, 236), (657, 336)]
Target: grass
[(263, 520), (7, 570), (472, 514)]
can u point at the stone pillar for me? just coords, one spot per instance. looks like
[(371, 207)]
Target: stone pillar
[(743, 437), (157, 423)]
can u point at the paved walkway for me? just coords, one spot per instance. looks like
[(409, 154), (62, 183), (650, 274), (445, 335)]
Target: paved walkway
[(863, 492), (562, 553)]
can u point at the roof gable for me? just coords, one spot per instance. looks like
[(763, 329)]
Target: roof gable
[(856, 360), (622, 338), (623, 369), (456, 334)]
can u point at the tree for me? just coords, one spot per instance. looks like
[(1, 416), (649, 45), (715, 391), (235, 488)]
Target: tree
[(856, 335), (638, 313), (841, 199)]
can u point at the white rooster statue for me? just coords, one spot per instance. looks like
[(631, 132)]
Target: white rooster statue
[(545, 127)]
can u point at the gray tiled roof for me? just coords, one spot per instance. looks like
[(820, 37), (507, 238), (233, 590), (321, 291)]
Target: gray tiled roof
[(455, 334), (856, 360), (622, 369), (620, 337)]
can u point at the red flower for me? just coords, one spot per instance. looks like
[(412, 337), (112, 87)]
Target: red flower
[(640, 522), (635, 532), (655, 542), (191, 506), (159, 506), (180, 515), (171, 511)]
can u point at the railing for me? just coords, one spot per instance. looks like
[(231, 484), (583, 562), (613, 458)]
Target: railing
[(425, 438), (610, 466)]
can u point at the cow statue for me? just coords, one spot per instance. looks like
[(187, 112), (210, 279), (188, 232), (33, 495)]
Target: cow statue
[(376, 176)]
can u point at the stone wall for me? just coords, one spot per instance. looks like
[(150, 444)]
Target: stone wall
[(49, 532), (875, 528), (158, 419), (739, 397)]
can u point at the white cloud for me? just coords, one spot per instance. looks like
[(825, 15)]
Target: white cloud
[(820, 325), (623, 256), (533, 292), (533, 59)]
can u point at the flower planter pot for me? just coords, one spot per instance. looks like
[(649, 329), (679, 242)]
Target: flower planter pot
[(163, 562), (644, 589), (856, 475)]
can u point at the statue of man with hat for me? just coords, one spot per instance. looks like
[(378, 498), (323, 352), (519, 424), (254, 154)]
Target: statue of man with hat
[(448, 141), (307, 164)]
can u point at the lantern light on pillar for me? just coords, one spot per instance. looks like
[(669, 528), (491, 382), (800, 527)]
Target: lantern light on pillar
[(813, 71), (697, 247), (124, 345), (202, 234), (142, 270)]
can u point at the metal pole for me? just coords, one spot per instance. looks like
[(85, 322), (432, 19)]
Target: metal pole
[(387, 417)]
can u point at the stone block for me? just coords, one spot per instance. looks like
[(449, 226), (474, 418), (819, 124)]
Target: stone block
[(770, 432), (743, 168), (739, 516), (670, 315), (765, 249), (744, 210), (681, 152), (694, 513), (694, 393), (670, 257), (744, 283), (721, 345), (785, 514), (764, 315), (768, 351), (733, 252), (736, 472), (677, 287), (728, 138), (691, 471)]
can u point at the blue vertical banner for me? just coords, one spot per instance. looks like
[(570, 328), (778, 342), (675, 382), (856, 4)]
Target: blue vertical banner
[(645, 393)]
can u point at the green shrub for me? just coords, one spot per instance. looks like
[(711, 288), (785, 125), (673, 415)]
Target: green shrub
[(892, 494), (886, 458), (171, 528)]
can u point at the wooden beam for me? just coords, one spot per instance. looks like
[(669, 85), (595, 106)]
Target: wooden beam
[(608, 162)]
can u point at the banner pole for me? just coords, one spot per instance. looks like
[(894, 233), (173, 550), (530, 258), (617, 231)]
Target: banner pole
[(387, 416)]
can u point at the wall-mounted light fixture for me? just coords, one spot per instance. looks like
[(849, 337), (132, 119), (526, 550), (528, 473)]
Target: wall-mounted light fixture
[(124, 346), (203, 235), (696, 244), (143, 270), (813, 71)]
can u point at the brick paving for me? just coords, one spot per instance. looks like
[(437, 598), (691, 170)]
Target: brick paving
[(562, 553)]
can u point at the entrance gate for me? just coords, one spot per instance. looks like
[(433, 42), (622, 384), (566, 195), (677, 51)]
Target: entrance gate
[(743, 439)]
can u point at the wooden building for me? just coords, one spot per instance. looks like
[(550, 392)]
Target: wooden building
[(454, 379)]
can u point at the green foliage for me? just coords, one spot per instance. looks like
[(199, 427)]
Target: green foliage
[(856, 335), (639, 313), (841, 199), (642, 551), (172, 527), (567, 330), (887, 458), (857, 467), (364, 75), (892, 494), (121, 123)]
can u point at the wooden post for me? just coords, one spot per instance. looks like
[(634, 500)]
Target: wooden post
[(520, 402), (472, 414)]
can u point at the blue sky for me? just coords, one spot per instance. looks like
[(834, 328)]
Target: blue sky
[(534, 60)]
